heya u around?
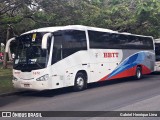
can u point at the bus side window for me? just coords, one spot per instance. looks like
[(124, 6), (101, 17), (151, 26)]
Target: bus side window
[(57, 48), (74, 41)]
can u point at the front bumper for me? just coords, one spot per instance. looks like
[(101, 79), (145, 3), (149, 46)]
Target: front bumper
[(31, 85)]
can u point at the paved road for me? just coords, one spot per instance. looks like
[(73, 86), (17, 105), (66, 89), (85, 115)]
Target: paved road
[(116, 95)]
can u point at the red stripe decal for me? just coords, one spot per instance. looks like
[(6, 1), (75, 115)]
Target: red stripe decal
[(127, 73)]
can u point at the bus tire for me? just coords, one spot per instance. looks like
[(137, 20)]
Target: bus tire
[(80, 82), (138, 73)]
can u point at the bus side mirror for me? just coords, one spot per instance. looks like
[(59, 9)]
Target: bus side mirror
[(7, 49), (45, 40)]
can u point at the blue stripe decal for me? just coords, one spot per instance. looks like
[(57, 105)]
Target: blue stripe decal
[(130, 62)]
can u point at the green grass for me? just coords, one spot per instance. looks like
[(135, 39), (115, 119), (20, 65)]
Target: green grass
[(5, 80)]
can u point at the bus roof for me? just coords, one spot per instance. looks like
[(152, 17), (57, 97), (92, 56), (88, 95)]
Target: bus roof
[(78, 27)]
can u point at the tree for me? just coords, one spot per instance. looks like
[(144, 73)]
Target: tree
[(13, 12), (135, 16)]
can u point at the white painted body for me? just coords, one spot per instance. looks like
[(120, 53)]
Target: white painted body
[(62, 73), (157, 63)]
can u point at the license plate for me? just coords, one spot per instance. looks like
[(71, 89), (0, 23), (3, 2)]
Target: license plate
[(26, 85)]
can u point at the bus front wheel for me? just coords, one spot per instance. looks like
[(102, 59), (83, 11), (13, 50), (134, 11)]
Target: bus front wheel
[(138, 73), (80, 82)]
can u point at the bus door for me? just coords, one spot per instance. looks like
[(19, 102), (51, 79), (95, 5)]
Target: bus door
[(57, 68)]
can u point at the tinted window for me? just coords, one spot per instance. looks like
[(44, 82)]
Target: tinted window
[(157, 51), (74, 40), (57, 47), (120, 41), (104, 40), (136, 42), (99, 39)]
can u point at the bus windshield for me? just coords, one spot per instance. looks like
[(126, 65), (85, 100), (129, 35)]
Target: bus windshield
[(29, 54), (157, 51)]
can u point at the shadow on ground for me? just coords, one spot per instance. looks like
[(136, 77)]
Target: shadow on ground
[(52, 93), (155, 73)]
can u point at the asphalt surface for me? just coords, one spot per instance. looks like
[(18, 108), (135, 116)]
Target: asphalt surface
[(116, 95)]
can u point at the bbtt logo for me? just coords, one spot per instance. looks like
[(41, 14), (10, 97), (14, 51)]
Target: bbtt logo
[(111, 55)]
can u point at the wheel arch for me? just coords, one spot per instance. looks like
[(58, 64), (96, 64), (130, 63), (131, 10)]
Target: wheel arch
[(84, 72), (139, 66)]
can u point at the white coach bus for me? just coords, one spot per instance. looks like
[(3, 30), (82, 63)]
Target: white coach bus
[(56, 57), (157, 52)]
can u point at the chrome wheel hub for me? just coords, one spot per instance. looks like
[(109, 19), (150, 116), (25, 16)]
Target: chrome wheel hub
[(80, 82)]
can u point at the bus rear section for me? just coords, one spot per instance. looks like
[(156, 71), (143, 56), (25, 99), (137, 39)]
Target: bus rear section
[(157, 52), (124, 55)]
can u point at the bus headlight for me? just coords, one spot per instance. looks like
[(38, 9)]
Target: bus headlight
[(43, 78), (14, 78)]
